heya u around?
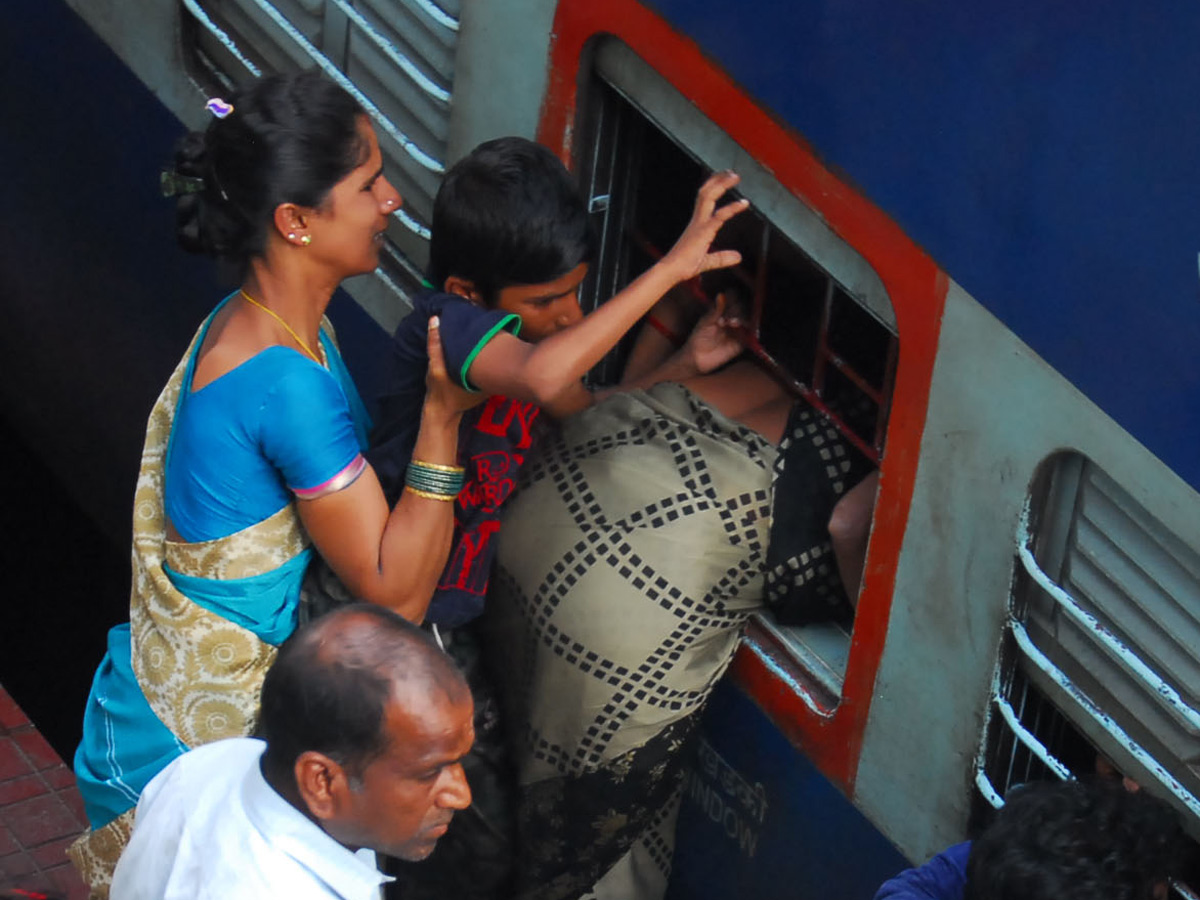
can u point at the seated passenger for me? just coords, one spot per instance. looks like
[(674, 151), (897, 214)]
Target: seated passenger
[(637, 545), (1057, 841), (364, 723)]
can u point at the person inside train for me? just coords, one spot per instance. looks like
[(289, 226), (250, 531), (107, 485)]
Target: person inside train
[(640, 540), (253, 458), (364, 725), (510, 245), (1071, 840)]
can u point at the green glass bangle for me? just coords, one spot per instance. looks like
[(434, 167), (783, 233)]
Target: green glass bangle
[(427, 481), (434, 480)]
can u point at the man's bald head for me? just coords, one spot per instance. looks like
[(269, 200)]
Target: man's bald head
[(332, 682)]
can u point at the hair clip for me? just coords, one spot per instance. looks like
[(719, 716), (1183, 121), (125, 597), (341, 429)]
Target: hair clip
[(172, 184), (219, 107)]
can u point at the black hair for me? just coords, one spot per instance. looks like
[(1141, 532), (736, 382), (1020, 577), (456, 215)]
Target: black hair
[(1075, 841), (289, 139), (330, 685), (508, 213)]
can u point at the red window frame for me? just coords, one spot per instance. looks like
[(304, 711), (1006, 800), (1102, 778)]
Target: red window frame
[(832, 738)]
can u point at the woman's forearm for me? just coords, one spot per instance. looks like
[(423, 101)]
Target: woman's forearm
[(390, 557), (415, 543)]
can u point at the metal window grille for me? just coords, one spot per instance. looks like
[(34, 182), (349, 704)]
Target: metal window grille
[(1100, 653), (835, 347), (395, 56), (1029, 739)]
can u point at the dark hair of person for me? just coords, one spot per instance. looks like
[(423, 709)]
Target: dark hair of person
[(330, 685), (1075, 841), (508, 213), (289, 139)]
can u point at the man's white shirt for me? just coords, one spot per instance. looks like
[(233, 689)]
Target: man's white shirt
[(209, 827)]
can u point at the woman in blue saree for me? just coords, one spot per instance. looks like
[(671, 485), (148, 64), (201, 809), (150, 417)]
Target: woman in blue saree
[(253, 455)]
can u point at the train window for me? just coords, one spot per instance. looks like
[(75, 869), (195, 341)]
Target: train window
[(396, 56), (1032, 740), (819, 317), (1101, 647)]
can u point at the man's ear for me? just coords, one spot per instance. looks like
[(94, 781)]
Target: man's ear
[(463, 287), (321, 783)]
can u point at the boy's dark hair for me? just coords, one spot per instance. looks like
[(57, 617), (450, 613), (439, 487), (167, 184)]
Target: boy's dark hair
[(508, 213), (289, 139), (1075, 841), (329, 687)]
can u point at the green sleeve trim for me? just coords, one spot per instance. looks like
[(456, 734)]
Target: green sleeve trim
[(512, 319)]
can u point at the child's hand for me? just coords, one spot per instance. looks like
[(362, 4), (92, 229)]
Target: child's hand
[(441, 394), (714, 340), (690, 256)]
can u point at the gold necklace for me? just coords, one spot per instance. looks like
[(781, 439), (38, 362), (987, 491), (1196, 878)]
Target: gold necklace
[(288, 328)]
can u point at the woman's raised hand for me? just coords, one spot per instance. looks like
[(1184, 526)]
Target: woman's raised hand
[(441, 393), (691, 255)]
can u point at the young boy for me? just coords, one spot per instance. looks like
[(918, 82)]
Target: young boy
[(511, 244)]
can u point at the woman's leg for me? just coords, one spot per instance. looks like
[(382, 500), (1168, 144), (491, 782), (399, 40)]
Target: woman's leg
[(849, 531)]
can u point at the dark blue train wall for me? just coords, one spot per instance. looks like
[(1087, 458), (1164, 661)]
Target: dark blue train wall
[(98, 305), (759, 820), (1047, 156)]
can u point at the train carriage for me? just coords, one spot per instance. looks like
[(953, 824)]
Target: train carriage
[(972, 242)]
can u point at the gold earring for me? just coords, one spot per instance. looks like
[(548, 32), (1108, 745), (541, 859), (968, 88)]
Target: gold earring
[(306, 239)]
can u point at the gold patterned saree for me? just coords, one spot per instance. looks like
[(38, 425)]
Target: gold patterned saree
[(200, 672)]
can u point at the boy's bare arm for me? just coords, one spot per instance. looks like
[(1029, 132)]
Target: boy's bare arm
[(549, 372)]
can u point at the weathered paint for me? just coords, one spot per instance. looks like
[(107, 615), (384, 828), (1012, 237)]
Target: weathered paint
[(1105, 721), (323, 62), (1036, 747), (1092, 625), (222, 36), (392, 52), (996, 413)]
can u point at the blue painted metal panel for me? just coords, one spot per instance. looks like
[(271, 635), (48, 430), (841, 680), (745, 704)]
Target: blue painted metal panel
[(1046, 155), (806, 841)]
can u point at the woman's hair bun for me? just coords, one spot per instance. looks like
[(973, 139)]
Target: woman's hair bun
[(205, 221), (287, 139)]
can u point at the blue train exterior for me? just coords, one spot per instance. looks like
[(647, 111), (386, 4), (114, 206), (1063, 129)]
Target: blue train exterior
[(1018, 183)]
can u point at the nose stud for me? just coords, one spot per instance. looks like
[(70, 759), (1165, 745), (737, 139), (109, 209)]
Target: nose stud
[(389, 203)]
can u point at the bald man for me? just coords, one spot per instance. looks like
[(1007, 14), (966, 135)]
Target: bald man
[(365, 722)]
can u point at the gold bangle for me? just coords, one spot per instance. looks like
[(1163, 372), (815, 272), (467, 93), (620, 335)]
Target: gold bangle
[(437, 467), (431, 496)]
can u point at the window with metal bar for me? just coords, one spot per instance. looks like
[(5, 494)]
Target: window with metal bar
[(1101, 655), (1029, 739), (395, 56), (817, 315), (803, 324)]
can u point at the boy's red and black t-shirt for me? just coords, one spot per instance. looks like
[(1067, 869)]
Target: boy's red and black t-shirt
[(493, 441)]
